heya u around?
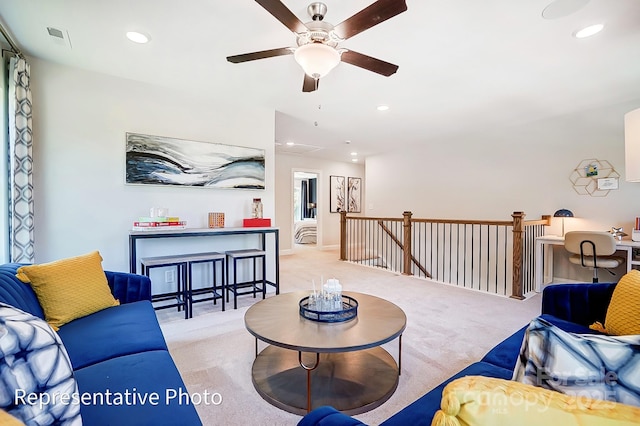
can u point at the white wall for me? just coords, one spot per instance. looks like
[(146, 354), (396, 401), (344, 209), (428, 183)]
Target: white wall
[(521, 168), (328, 223), (80, 121)]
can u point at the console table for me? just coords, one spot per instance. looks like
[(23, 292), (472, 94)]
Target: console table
[(544, 258), (135, 236)]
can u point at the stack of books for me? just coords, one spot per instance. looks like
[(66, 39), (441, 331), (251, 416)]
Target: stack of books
[(159, 223)]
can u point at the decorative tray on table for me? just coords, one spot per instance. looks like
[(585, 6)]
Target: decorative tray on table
[(323, 310)]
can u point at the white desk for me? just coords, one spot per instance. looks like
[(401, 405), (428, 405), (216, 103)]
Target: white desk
[(544, 266)]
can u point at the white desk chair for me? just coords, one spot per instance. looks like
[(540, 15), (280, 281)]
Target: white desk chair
[(592, 249)]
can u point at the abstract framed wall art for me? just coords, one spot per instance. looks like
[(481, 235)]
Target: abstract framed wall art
[(354, 197), (159, 160), (337, 194)]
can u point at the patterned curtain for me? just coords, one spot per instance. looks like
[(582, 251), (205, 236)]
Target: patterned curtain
[(20, 163)]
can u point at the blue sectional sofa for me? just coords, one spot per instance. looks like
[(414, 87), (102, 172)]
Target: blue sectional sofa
[(571, 307), (118, 351)]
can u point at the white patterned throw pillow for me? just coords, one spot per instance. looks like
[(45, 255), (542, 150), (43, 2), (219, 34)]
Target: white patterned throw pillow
[(581, 365), (36, 378)]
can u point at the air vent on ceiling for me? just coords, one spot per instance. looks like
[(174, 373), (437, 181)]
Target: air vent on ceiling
[(59, 36), (297, 149)]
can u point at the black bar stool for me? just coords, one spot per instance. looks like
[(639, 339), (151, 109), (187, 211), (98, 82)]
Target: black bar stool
[(179, 297), (233, 256), (215, 290)]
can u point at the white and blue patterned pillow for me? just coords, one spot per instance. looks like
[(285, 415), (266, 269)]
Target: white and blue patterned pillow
[(34, 364), (582, 365)]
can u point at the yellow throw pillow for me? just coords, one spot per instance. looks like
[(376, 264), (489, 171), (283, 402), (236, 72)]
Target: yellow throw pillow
[(7, 419), (68, 289), (487, 401), (623, 313)]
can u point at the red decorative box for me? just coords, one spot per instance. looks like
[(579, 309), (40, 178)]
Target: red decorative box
[(256, 223)]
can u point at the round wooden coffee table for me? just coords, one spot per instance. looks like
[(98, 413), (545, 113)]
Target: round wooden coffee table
[(309, 364)]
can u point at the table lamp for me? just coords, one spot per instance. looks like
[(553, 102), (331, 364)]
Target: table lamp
[(563, 213)]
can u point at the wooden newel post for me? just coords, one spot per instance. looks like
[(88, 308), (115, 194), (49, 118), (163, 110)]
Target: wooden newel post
[(518, 231), (343, 235), (406, 269)]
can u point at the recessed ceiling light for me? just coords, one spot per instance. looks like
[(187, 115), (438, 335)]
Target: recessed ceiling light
[(137, 37), (355, 160), (383, 107), (588, 31), (354, 153), (561, 8), (290, 143)]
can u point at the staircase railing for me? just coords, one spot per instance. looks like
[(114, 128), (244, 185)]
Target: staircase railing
[(492, 256)]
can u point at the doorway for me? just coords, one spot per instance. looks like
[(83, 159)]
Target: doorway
[(305, 209)]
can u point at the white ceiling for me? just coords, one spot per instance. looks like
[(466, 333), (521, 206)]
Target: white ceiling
[(465, 65)]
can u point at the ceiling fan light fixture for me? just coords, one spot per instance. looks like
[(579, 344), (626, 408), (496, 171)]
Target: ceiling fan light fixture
[(316, 59)]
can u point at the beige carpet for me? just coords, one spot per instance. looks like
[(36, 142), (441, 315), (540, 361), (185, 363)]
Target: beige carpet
[(447, 329)]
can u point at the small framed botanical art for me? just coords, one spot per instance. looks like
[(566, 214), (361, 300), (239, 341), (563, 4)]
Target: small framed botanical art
[(354, 197), (337, 194)]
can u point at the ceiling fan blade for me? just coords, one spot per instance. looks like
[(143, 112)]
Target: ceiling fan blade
[(371, 15), (310, 84), (283, 14), (369, 63), (236, 59)]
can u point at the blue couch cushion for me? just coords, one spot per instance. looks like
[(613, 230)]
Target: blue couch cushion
[(568, 326), (583, 303), (139, 375), (421, 411), (505, 353), (16, 293), (108, 334), (129, 288), (327, 416)]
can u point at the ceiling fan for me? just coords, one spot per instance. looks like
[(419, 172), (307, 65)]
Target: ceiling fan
[(317, 51)]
